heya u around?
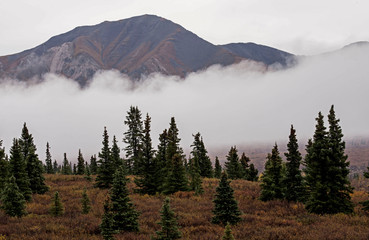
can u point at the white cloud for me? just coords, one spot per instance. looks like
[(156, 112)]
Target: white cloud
[(228, 106)]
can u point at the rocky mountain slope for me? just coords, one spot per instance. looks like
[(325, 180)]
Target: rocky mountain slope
[(137, 46)]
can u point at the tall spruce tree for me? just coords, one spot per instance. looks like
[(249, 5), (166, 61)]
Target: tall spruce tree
[(34, 166), (13, 202), (48, 160), (17, 168), (161, 161), (226, 207), (4, 168), (145, 180), (271, 186), (195, 177), (339, 184), (124, 214), (173, 146), (56, 208), (66, 168), (56, 167), (133, 139), (107, 225), (245, 167), (177, 179), (293, 181), (253, 173), (105, 168), (115, 154), (200, 153), (80, 163), (232, 165), (218, 168), (169, 226), (93, 164)]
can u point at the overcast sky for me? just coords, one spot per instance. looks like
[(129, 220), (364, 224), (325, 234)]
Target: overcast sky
[(299, 27)]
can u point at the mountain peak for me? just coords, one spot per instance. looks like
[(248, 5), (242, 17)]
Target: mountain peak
[(137, 46)]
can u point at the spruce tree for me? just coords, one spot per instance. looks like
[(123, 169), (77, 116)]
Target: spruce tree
[(293, 181), (34, 166), (253, 173), (124, 214), (35, 172), (115, 154), (17, 168), (232, 164), (271, 186), (161, 161), (196, 181), (169, 226), (245, 167), (107, 225), (226, 207), (56, 167), (145, 180), (173, 140), (200, 153), (228, 233), (13, 202), (87, 172), (85, 201), (218, 168), (177, 179), (4, 168), (56, 208), (66, 168), (105, 168), (337, 176), (48, 160), (80, 163), (133, 139), (93, 165)]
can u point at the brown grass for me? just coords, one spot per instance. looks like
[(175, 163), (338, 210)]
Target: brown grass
[(261, 220)]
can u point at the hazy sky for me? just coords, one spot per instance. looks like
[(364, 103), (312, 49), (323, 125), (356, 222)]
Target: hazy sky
[(300, 27)]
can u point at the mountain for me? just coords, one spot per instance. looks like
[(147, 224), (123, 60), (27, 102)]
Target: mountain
[(136, 46)]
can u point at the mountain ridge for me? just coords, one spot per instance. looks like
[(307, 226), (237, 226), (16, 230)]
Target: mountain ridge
[(137, 46)]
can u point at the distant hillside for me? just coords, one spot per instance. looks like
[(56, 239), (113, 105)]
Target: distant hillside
[(136, 46)]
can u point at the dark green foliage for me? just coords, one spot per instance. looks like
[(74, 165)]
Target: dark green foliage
[(244, 162), (217, 169), (133, 138), (339, 184), (48, 161), (327, 170), (13, 202), (232, 165), (293, 181), (80, 163), (226, 207), (85, 201), (146, 180), (105, 168), (66, 167), (17, 168), (4, 168), (271, 186), (56, 208), (161, 161), (125, 216), (173, 140), (115, 154), (56, 167), (74, 172), (177, 179), (93, 164), (169, 226), (34, 166), (107, 225), (87, 172), (253, 173), (200, 153), (228, 233), (195, 177)]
